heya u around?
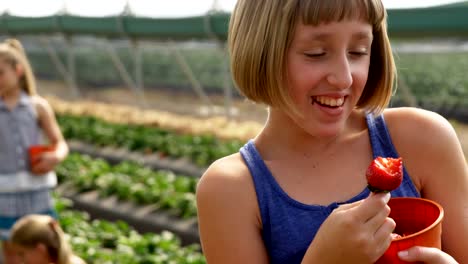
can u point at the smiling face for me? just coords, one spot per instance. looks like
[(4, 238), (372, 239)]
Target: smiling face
[(9, 77), (327, 69), (278, 62)]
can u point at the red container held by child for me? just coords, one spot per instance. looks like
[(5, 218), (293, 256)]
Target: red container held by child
[(418, 221), (35, 151)]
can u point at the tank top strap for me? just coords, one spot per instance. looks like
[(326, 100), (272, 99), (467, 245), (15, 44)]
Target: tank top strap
[(261, 177), (382, 146), (381, 141)]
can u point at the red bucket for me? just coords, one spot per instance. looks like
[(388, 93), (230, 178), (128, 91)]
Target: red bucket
[(418, 221), (35, 151)]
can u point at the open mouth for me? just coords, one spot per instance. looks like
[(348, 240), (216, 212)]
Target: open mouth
[(330, 102)]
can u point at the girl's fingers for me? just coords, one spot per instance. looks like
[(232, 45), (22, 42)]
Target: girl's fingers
[(427, 255), (372, 206), (350, 205), (383, 233), (376, 221)]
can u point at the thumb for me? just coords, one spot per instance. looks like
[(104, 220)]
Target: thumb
[(372, 205), (425, 254)]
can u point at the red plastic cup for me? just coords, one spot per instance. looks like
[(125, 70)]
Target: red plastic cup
[(35, 151), (419, 221)]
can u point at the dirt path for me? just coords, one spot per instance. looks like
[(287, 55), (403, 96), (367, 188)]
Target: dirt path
[(186, 104)]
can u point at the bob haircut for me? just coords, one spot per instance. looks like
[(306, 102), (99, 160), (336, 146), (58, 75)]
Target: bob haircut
[(261, 32)]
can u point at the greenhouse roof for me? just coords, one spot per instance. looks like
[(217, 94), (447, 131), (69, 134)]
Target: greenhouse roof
[(443, 21)]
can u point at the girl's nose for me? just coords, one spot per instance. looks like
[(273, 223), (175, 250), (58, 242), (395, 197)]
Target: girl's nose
[(340, 74)]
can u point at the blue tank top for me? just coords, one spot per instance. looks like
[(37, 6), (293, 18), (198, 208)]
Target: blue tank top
[(290, 226)]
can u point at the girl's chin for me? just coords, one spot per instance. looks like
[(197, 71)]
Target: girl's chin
[(325, 130)]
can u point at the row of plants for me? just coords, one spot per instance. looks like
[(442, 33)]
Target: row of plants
[(105, 242), (129, 181), (199, 149), (220, 126), (435, 79)]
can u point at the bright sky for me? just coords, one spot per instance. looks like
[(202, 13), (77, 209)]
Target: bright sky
[(152, 8)]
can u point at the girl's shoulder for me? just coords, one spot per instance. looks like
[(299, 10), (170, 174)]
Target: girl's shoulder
[(409, 123), (229, 182), (41, 105), (226, 172), (39, 101), (426, 141)]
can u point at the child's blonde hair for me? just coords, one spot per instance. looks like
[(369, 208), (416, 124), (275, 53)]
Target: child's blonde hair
[(261, 32), (31, 230), (12, 52)]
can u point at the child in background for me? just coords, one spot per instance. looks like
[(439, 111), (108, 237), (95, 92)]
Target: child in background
[(26, 119), (297, 193), (39, 239)]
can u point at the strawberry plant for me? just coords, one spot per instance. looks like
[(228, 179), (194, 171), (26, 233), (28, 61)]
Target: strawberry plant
[(200, 149), (100, 241), (130, 181)]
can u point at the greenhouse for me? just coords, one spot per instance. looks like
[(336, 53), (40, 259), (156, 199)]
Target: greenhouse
[(146, 104)]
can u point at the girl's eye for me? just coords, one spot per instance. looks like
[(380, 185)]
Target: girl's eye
[(314, 55)]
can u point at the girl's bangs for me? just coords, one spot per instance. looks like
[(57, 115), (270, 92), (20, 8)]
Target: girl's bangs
[(315, 12)]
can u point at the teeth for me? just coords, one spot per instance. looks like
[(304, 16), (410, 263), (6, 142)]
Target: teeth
[(329, 101)]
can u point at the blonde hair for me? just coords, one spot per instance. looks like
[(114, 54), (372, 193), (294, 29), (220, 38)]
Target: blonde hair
[(31, 230), (12, 52), (261, 32)]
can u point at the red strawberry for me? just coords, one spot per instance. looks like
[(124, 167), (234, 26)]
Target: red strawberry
[(384, 174)]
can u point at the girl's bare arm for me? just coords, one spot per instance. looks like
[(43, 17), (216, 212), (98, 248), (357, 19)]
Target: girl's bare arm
[(435, 160), (49, 124), (229, 221)]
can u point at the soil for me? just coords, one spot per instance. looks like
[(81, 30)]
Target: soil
[(183, 103)]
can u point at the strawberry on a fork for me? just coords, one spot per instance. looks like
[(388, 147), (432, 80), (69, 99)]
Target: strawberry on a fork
[(384, 174)]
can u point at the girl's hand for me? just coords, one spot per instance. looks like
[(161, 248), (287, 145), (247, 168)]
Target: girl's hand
[(427, 255), (44, 163), (354, 233)]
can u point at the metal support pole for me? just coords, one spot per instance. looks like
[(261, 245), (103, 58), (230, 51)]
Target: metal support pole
[(138, 67), (71, 66), (189, 74), (215, 7), (226, 83), (61, 67), (120, 67)]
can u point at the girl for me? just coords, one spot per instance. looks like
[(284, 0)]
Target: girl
[(25, 118), (296, 193), (38, 239)]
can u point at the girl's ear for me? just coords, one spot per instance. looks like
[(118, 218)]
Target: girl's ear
[(42, 248), (19, 70)]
